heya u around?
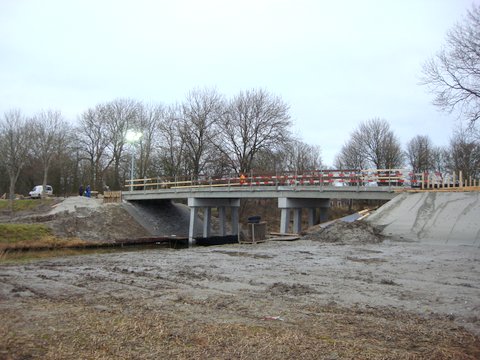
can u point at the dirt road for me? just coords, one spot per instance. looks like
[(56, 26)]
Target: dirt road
[(303, 299)]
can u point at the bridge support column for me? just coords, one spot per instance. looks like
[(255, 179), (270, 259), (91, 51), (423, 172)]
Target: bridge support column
[(284, 221), (207, 221), (207, 204), (191, 227), (297, 220), (297, 204), (235, 219)]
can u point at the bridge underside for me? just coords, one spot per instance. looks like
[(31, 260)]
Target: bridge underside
[(287, 205), (291, 201)]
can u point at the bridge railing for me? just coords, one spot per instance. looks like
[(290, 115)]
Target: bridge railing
[(395, 178), (438, 180), (336, 178)]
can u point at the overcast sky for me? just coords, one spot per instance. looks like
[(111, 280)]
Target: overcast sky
[(336, 63)]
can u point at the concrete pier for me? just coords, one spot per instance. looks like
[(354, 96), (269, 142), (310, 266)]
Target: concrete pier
[(287, 205), (207, 204)]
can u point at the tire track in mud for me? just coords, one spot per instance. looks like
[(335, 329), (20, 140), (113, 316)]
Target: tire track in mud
[(118, 281), (62, 282)]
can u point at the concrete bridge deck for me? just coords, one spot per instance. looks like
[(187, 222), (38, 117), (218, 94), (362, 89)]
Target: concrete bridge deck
[(265, 192)]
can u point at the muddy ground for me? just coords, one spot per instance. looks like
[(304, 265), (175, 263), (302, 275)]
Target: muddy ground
[(326, 296)]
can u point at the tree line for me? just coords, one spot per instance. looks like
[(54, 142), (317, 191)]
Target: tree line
[(206, 135), (375, 145)]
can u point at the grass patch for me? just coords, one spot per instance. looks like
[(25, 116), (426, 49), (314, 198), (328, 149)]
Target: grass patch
[(25, 204), (25, 256), (13, 233), (32, 237)]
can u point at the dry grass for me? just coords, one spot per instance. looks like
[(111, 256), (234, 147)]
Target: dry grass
[(70, 330), (17, 240), (47, 242), (13, 233), (14, 237), (33, 249)]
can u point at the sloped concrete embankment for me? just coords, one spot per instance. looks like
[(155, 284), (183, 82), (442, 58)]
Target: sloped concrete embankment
[(163, 217), (433, 217)]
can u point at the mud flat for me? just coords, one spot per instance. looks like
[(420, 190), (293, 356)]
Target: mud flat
[(306, 299)]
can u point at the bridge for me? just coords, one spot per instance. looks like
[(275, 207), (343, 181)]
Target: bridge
[(311, 191)]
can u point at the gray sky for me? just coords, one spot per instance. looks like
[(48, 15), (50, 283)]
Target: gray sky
[(337, 63)]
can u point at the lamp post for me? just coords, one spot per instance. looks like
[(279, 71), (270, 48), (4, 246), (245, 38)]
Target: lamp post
[(132, 137)]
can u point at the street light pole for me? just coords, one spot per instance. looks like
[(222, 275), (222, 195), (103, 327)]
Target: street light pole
[(131, 170)]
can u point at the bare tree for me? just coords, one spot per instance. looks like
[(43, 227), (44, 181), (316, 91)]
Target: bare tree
[(117, 117), (350, 158), (50, 136), (200, 112), (374, 144), (465, 154), (15, 144), (440, 158), (148, 122), (300, 157), (171, 147), (420, 154), (93, 141), (453, 75), (253, 121)]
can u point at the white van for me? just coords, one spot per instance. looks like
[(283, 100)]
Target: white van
[(37, 191)]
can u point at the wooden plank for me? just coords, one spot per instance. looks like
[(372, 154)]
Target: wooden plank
[(281, 238), (282, 234)]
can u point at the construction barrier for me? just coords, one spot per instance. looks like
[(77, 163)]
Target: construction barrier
[(112, 197)]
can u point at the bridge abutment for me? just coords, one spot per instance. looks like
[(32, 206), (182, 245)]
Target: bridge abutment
[(297, 205)]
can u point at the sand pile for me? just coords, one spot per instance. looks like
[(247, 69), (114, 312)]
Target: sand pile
[(341, 232), (89, 219), (73, 203)]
